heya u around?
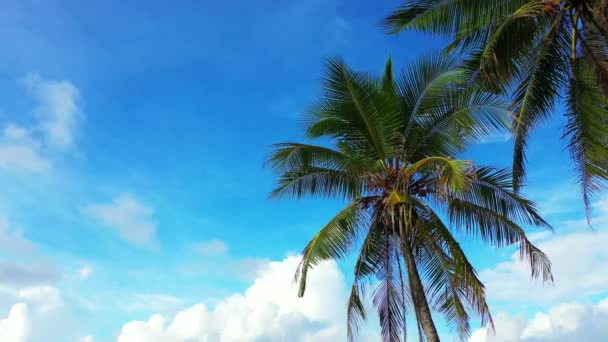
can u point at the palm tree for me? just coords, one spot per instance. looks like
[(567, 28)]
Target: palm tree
[(394, 143), (536, 50)]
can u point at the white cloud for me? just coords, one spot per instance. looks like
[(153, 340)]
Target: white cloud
[(565, 322), (57, 109), (16, 327), (269, 310), (20, 152), (579, 260), (57, 116), (46, 298), (131, 219), (213, 247), (579, 266), (86, 339), (85, 272)]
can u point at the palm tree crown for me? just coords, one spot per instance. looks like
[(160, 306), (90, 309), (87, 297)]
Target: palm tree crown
[(393, 158), (535, 50)]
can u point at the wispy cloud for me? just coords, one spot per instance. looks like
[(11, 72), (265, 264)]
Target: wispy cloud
[(57, 115), (57, 108), (131, 219)]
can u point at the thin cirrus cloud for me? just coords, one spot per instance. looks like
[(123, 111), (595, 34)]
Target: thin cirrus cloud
[(57, 109), (132, 220), (57, 115)]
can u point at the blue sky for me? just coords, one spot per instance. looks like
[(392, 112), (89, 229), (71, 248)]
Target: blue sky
[(131, 168)]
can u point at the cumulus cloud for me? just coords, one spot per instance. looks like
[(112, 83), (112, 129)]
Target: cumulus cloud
[(213, 247), (57, 109), (16, 327), (565, 322), (132, 220), (579, 260), (269, 310)]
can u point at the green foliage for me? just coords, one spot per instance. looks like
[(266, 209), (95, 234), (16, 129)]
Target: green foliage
[(534, 51), (393, 157)]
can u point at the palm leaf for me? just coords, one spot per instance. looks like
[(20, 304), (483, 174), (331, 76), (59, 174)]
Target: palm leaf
[(333, 241), (535, 95), (587, 131)]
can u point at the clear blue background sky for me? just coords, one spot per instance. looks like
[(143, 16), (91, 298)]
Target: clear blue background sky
[(176, 106)]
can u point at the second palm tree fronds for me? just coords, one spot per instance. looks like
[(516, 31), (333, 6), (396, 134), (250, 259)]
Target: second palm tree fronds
[(538, 51)]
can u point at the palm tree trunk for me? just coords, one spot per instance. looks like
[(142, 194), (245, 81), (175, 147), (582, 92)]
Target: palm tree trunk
[(423, 312)]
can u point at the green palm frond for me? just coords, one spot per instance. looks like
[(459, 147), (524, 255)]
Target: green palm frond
[(419, 86), (456, 286), (473, 114), (388, 295), (333, 241), (498, 231), (449, 174), (493, 189), (527, 50), (354, 112), (448, 17), (595, 51), (368, 262), (509, 41), (587, 131), (535, 95), (315, 170)]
